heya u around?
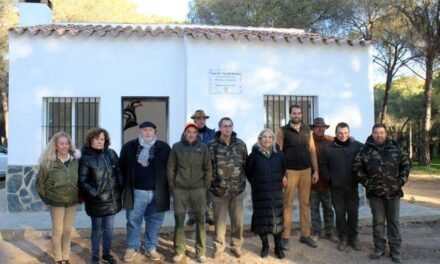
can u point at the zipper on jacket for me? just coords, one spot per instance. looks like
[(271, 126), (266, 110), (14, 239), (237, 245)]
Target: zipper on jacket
[(272, 196), (68, 173), (110, 182)]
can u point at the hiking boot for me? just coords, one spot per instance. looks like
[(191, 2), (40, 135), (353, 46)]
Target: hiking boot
[(355, 245), (178, 258), (130, 253), (201, 258), (396, 258), (285, 244), (278, 246), (342, 245), (153, 255), (218, 252), (308, 241), (265, 246), (237, 252), (95, 260), (332, 237), (377, 253), (108, 259)]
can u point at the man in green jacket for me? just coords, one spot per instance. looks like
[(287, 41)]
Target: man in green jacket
[(189, 173)]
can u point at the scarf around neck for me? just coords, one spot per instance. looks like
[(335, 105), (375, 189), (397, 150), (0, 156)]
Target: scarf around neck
[(144, 155)]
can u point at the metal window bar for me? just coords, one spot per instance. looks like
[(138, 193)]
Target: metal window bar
[(74, 115), (277, 109)]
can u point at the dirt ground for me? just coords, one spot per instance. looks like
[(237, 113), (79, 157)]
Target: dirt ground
[(421, 245), (423, 190), (420, 242)]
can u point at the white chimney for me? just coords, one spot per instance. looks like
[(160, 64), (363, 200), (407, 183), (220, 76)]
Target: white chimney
[(32, 14)]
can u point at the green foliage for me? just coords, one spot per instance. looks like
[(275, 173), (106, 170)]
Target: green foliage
[(405, 100), (264, 13), (96, 11), (8, 18), (434, 168)]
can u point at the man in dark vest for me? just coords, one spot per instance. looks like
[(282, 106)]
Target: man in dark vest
[(146, 197), (296, 141)]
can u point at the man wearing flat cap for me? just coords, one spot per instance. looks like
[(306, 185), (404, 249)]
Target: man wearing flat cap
[(205, 135), (143, 163), (320, 194)]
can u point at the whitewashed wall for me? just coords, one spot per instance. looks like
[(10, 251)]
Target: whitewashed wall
[(338, 75), (110, 68)]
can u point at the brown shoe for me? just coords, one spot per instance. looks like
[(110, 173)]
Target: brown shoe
[(237, 252)]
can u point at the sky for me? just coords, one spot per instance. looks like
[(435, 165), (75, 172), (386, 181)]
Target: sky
[(177, 9)]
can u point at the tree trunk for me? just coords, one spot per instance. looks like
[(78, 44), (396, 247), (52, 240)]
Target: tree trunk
[(410, 142), (385, 97), (426, 155), (4, 96)]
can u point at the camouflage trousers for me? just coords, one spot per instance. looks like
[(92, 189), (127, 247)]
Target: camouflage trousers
[(316, 199)]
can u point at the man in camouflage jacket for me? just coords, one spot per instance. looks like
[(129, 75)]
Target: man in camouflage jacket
[(383, 168), (228, 155)]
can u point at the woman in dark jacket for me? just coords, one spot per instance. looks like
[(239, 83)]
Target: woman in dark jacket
[(265, 171), (101, 184)]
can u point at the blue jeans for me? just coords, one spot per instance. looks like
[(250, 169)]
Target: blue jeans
[(102, 227), (144, 208)]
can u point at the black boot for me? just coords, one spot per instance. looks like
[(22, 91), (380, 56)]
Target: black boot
[(265, 249), (278, 247)]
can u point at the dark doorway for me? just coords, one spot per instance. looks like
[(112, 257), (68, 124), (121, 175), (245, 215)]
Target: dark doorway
[(136, 110)]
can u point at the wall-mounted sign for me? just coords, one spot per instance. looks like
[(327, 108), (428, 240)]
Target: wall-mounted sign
[(222, 81)]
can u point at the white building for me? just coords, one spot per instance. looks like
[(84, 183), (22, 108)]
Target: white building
[(73, 77)]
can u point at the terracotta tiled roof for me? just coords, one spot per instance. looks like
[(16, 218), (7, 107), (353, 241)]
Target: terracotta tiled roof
[(196, 32)]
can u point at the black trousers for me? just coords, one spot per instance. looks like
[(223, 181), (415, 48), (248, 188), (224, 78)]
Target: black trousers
[(346, 204), (386, 210)]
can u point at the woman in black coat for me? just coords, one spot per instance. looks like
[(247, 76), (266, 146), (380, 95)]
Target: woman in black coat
[(265, 170), (101, 184)]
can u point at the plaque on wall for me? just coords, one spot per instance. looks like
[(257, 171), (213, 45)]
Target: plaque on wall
[(223, 81)]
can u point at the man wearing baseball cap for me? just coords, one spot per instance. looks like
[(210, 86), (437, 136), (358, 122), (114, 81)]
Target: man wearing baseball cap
[(205, 135), (189, 173), (146, 197)]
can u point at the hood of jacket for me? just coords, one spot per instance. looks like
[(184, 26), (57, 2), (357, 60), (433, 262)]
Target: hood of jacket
[(388, 141)]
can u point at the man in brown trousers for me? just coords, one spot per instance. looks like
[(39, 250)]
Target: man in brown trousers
[(296, 141)]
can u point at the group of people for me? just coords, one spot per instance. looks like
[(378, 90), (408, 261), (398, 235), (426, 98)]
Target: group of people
[(206, 173)]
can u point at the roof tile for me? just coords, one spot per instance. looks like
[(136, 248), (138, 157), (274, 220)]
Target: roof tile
[(207, 32)]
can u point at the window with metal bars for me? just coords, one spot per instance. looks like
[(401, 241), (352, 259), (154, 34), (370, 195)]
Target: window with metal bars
[(74, 115), (277, 109)]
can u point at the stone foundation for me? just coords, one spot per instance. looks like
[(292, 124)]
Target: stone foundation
[(21, 194)]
